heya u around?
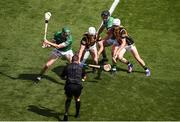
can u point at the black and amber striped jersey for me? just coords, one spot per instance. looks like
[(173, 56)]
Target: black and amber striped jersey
[(120, 33), (88, 40)]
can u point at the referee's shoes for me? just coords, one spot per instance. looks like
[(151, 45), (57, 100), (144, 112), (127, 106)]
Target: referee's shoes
[(65, 117)]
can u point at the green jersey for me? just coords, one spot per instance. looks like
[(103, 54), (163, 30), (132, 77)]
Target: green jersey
[(108, 23), (60, 39)]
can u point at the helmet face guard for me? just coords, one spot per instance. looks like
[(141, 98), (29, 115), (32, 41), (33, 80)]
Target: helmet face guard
[(105, 13), (105, 18)]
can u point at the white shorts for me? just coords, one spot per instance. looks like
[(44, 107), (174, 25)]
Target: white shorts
[(129, 47), (92, 48), (62, 53)]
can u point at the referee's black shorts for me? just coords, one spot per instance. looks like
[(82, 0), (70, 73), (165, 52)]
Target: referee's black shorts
[(73, 90)]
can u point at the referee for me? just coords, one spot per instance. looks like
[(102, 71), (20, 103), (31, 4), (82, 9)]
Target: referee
[(73, 74)]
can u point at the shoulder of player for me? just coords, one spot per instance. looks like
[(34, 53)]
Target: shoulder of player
[(111, 18), (110, 30), (69, 40), (85, 36), (123, 29), (57, 34), (69, 36)]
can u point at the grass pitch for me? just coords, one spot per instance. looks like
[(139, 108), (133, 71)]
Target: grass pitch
[(154, 25)]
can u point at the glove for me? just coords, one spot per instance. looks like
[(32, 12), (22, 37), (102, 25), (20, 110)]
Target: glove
[(83, 65)]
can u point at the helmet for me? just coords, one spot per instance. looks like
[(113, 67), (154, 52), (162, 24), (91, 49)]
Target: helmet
[(105, 13), (116, 22), (66, 30), (92, 31)]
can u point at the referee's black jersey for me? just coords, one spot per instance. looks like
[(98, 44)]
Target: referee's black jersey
[(73, 74)]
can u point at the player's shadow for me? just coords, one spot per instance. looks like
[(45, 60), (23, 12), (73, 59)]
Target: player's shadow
[(98, 74), (43, 111), (58, 70), (125, 70), (136, 71), (30, 77), (121, 69)]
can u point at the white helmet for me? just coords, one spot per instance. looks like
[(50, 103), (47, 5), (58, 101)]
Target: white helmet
[(92, 31), (116, 22)]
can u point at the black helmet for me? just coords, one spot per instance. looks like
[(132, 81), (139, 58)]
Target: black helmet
[(105, 13)]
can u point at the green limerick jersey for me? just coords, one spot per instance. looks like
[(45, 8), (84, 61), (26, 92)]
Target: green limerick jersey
[(108, 23), (67, 41)]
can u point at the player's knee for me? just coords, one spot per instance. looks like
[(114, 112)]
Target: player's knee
[(120, 57), (96, 59), (48, 65)]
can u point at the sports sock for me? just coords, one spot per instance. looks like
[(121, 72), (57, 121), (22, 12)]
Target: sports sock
[(67, 105), (78, 104), (145, 68)]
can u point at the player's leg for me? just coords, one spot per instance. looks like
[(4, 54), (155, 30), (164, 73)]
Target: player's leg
[(102, 50), (139, 59), (94, 55), (53, 57), (67, 105), (85, 56), (68, 54), (113, 51), (104, 45), (77, 105), (77, 95), (124, 60), (93, 52), (68, 92)]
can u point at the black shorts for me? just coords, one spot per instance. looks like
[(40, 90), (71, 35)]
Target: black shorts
[(73, 90)]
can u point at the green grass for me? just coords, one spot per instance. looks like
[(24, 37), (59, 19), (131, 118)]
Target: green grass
[(154, 25)]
